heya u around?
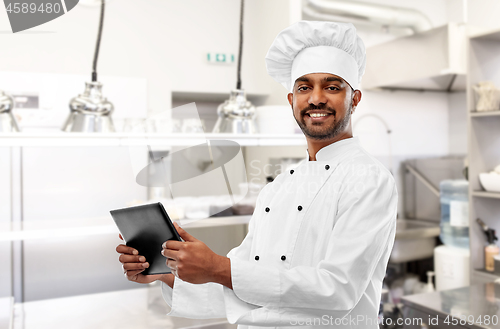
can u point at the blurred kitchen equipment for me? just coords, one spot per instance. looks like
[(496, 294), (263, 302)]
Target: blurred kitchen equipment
[(487, 96), (8, 122), (451, 266), (368, 14), (496, 260), (237, 115), (416, 233), (411, 283), (437, 57), (247, 205), (455, 213), (491, 250), (420, 191), (220, 206), (193, 126), (415, 239), (491, 181), (90, 111), (429, 287), (268, 116), (414, 286)]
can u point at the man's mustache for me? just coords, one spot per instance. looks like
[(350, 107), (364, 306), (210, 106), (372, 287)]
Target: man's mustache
[(317, 107)]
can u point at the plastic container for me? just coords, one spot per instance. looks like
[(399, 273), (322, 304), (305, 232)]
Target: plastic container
[(455, 213)]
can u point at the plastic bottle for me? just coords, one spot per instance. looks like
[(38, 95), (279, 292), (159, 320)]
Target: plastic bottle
[(455, 213), (429, 287), (491, 249)]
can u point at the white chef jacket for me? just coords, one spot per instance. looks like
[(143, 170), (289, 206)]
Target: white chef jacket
[(316, 252)]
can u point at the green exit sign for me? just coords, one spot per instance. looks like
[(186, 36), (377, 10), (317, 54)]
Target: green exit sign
[(223, 58)]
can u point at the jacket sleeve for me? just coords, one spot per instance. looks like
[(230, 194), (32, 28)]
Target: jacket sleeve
[(362, 237)]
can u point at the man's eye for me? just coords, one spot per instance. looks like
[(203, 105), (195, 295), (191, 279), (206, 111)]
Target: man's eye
[(302, 88), (333, 88)]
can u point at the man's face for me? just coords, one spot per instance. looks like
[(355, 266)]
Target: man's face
[(322, 104)]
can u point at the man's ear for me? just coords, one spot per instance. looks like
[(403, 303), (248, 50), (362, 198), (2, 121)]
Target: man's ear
[(356, 98), (290, 99)]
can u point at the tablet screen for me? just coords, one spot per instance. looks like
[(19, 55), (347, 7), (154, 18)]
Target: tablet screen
[(146, 228)]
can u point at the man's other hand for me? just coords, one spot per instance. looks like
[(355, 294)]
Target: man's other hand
[(193, 262), (134, 264)]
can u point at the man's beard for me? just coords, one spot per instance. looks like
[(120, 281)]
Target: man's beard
[(327, 132)]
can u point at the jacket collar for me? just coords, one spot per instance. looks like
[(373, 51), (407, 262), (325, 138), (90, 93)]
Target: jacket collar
[(336, 149)]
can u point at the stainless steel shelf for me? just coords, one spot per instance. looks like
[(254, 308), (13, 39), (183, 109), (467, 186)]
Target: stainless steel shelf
[(483, 143), (484, 194), (491, 35), (485, 114), (98, 226), (124, 139)]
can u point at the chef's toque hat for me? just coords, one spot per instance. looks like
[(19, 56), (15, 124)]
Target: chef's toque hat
[(317, 47)]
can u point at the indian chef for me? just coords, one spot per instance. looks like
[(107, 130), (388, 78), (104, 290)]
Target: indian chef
[(321, 234)]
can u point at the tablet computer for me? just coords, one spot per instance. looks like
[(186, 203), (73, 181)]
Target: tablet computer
[(145, 228)]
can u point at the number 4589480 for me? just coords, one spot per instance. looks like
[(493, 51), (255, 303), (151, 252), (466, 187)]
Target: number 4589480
[(31, 8), (471, 320)]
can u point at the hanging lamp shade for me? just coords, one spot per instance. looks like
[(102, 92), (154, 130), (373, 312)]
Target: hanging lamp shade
[(8, 122), (91, 111), (237, 114)]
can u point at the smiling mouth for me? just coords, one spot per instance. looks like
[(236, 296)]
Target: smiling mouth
[(317, 115)]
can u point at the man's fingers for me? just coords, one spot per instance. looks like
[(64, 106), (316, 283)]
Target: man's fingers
[(131, 259), (184, 235), (169, 253), (172, 264), (135, 266), (132, 273), (172, 244), (123, 249)]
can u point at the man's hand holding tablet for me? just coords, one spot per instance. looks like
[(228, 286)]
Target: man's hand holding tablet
[(193, 261), (134, 264), (150, 236)]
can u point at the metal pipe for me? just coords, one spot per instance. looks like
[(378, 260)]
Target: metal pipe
[(422, 178), (376, 14)]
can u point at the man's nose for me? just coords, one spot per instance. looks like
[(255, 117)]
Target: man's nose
[(317, 97)]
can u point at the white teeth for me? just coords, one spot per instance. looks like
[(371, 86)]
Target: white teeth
[(317, 115)]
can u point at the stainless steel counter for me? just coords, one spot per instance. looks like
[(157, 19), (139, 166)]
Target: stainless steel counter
[(139, 308), (475, 304)]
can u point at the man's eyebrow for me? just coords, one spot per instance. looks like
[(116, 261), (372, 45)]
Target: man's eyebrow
[(304, 79), (332, 79)]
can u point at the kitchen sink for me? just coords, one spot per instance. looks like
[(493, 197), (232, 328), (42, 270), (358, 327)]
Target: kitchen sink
[(415, 239)]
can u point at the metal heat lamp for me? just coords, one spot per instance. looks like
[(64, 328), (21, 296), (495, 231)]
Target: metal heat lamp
[(90, 111), (237, 115), (8, 122)]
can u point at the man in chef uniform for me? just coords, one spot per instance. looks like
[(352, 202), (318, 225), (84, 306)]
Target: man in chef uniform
[(321, 235)]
